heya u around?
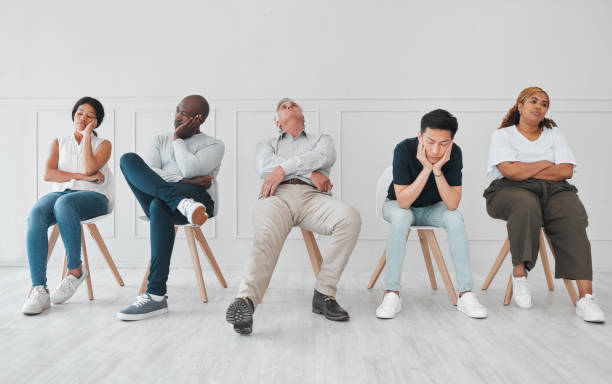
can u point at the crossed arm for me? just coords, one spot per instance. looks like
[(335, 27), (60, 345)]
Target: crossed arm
[(543, 170), (92, 162)]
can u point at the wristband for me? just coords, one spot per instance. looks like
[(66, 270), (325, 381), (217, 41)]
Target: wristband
[(437, 175)]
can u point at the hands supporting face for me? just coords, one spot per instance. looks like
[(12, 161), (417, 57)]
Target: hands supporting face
[(321, 182), (272, 181), (437, 167), (188, 127), (90, 127)]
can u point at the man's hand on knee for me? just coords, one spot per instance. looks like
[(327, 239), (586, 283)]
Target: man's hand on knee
[(272, 181)]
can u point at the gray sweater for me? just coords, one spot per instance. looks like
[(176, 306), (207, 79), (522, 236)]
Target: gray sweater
[(199, 155)]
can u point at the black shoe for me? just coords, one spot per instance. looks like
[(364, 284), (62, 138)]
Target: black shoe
[(328, 306), (240, 313)]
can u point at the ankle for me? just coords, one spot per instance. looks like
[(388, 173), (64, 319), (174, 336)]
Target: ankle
[(78, 272), (389, 290)]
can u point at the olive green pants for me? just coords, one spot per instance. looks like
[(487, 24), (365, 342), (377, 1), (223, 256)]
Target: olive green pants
[(529, 205)]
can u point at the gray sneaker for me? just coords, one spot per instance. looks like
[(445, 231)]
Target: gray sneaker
[(143, 308)]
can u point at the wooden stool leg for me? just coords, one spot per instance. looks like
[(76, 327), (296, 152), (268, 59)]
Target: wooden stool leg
[(497, 264), (197, 268), (435, 248), (545, 265), (508, 295), (378, 270), (93, 229), (86, 264), (52, 240), (571, 290), (427, 257), (313, 251), (145, 280), (209, 255)]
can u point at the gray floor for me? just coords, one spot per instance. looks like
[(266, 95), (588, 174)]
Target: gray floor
[(430, 341)]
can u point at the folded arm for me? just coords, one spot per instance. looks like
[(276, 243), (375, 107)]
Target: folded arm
[(203, 162)]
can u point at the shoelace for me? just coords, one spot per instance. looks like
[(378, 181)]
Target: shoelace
[(142, 300), (35, 295), (590, 302), (68, 284)]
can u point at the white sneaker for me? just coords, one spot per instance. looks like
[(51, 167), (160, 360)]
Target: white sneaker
[(194, 211), (391, 305), (589, 310), (67, 287), (469, 305), (521, 292), (38, 301)]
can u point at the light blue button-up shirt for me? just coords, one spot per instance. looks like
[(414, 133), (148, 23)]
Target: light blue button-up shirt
[(299, 156)]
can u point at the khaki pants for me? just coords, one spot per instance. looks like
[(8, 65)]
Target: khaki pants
[(532, 204), (302, 206)]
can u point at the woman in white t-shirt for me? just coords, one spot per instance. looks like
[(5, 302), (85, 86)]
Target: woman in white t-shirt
[(82, 185), (531, 162)]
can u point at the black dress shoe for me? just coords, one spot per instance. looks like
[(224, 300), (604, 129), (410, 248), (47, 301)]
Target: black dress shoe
[(328, 306), (240, 313)]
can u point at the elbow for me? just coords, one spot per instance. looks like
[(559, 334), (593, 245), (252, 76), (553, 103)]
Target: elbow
[(403, 205), (47, 176), (90, 171), (452, 207)]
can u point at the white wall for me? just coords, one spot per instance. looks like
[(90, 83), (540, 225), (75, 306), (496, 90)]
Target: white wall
[(364, 71)]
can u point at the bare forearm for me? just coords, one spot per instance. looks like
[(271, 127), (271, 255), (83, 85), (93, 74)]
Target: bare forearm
[(57, 176), (449, 195), (409, 194), (558, 172), (89, 160), (519, 171)]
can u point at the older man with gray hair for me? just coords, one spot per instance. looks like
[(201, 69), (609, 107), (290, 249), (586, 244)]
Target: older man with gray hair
[(295, 167)]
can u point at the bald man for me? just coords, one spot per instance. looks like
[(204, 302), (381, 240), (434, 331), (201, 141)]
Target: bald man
[(176, 185)]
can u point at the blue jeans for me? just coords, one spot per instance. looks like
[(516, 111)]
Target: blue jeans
[(159, 199), (436, 215), (66, 209)]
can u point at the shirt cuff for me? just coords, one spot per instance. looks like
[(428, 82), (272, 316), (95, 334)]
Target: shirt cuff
[(289, 166)]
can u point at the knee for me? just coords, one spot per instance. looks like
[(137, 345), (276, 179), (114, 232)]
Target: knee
[(452, 219), (352, 218), (127, 159), (63, 208), (158, 209), (401, 219), (39, 215)]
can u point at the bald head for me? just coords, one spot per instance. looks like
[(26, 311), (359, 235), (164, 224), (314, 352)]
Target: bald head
[(198, 104)]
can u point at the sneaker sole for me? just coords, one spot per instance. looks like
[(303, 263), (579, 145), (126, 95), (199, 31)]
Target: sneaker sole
[(199, 216), (591, 320), (240, 315), (34, 311), (141, 316), (332, 318)]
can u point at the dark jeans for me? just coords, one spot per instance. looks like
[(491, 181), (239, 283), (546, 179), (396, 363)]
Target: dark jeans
[(159, 199), (66, 209), (528, 206)]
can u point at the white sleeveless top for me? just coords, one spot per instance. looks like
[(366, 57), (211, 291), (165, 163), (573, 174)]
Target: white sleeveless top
[(71, 160)]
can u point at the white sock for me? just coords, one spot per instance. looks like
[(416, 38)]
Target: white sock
[(157, 298)]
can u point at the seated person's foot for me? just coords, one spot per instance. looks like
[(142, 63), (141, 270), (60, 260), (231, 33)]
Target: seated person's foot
[(37, 302), (522, 292), (589, 310), (391, 305), (469, 305), (328, 306), (194, 211), (240, 314), (145, 306), (67, 287)]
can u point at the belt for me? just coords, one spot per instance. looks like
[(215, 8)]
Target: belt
[(296, 181)]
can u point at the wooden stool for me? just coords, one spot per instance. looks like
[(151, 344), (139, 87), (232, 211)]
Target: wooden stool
[(313, 252), (192, 233), (93, 230), (543, 255), (428, 241)]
